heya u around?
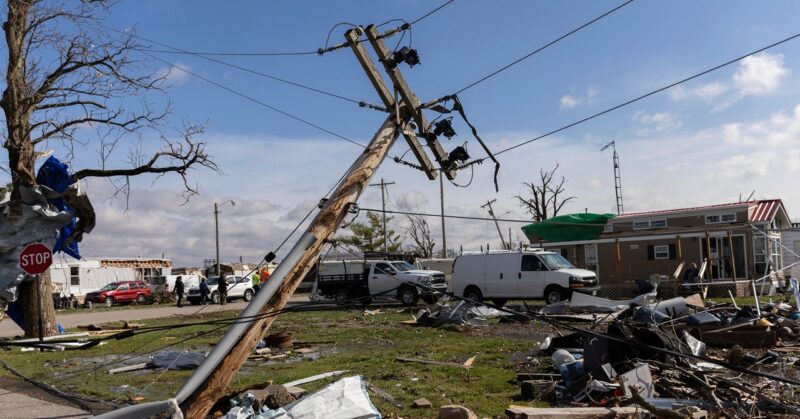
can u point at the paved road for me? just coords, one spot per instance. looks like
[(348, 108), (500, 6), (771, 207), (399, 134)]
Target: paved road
[(83, 317), (15, 405)]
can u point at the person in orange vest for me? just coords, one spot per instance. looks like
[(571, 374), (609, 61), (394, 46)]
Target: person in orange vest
[(264, 274)]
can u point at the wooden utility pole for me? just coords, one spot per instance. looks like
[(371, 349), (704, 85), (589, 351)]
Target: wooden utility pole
[(200, 400), (383, 186), (441, 203), (496, 224)]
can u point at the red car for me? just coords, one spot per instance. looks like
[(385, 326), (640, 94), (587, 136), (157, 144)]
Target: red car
[(121, 292)]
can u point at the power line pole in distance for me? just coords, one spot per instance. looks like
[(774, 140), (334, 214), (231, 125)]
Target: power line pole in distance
[(496, 224), (383, 186)]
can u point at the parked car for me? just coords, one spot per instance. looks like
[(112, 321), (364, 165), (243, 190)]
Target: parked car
[(238, 287), (346, 280), (121, 292), (524, 274)]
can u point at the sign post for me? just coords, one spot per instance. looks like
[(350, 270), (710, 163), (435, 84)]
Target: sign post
[(34, 260)]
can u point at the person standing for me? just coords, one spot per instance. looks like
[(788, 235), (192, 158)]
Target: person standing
[(256, 280), (264, 275), (179, 289), (203, 291), (222, 289)]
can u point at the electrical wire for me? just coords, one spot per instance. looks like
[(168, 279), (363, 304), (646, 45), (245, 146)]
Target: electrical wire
[(646, 95), (442, 6), (545, 46), (254, 100)]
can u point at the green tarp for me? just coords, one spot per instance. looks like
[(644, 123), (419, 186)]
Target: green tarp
[(566, 228)]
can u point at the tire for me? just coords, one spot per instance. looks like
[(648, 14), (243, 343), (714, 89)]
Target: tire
[(141, 299), (499, 302), (554, 294), (473, 293), (430, 299), (342, 297), (248, 295), (214, 297), (408, 296), (108, 301)]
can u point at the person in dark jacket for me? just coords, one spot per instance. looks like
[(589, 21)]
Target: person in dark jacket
[(179, 289), (222, 288), (203, 291)]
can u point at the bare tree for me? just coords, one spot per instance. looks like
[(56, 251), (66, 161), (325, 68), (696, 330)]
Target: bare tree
[(418, 230), (546, 196), (67, 75)]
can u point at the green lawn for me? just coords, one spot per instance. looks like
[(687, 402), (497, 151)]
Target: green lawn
[(366, 345)]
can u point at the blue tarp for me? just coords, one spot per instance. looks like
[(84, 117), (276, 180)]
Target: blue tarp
[(55, 175)]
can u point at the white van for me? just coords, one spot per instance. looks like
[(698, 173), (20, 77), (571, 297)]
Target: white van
[(164, 285), (523, 275)]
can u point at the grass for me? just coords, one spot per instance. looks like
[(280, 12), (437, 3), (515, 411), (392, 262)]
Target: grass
[(366, 345)]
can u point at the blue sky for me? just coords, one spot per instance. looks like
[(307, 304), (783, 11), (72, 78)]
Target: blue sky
[(730, 132)]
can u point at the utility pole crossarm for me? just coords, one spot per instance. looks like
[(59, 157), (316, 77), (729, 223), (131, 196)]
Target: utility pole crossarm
[(402, 112), (411, 100)]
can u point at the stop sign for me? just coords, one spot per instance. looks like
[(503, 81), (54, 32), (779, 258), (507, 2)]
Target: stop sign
[(35, 258)]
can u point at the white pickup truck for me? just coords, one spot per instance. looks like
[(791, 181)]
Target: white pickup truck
[(347, 280)]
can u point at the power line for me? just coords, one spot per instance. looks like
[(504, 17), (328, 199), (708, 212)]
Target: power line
[(413, 22), (545, 46), (238, 67), (646, 95), (252, 99)]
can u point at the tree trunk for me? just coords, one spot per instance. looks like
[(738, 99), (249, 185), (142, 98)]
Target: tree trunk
[(30, 308)]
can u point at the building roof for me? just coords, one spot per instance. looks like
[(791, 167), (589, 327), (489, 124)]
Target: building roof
[(758, 210)]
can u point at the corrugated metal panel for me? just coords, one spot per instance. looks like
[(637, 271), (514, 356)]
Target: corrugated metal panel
[(679, 210)]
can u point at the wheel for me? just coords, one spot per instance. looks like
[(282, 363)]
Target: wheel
[(248, 295), (499, 302), (215, 297), (473, 293), (109, 301), (430, 299), (408, 296), (554, 294), (141, 299), (342, 297)]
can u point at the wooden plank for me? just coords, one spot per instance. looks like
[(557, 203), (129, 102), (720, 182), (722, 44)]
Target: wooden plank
[(322, 228), (524, 412), (425, 361), (134, 367)]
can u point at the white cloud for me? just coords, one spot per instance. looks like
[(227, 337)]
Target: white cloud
[(760, 74), (658, 121), (569, 101), (174, 75), (573, 99), (756, 75)]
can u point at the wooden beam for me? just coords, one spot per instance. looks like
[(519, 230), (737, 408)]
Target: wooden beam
[(409, 98), (402, 110), (619, 263), (733, 258), (322, 228)]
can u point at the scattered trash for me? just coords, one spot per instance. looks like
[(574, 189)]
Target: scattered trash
[(422, 403), (281, 340), (172, 360), (346, 398)]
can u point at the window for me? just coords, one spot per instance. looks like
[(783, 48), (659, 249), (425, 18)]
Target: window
[(74, 276), (721, 218), (384, 268), (608, 228), (122, 288), (531, 263), (759, 254), (643, 225), (661, 252)]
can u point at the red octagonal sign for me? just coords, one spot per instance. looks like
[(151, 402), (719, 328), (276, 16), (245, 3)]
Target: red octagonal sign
[(35, 258)]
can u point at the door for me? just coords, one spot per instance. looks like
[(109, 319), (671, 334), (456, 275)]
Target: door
[(382, 278), (502, 271), (591, 258), (531, 277), (123, 293)]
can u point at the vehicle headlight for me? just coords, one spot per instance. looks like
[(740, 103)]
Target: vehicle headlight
[(575, 282), (425, 280)]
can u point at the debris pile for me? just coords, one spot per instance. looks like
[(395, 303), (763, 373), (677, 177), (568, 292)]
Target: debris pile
[(671, 358)]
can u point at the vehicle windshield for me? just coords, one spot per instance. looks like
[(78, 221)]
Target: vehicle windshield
[(403, 266), (555, 261), (110, 287)]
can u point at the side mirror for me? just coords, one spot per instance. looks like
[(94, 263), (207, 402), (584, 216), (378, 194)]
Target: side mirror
[(392, 272)]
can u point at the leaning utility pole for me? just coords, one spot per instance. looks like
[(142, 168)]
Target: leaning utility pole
[(496, 224), (210, 380), (441, 202), (383, 186)]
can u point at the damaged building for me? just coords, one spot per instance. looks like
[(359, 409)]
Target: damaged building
[(737, 241)]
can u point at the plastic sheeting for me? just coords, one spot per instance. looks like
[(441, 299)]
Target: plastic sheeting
[(564, 228), (344, 399), (172, 360)]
